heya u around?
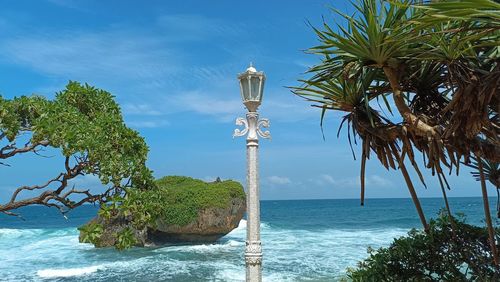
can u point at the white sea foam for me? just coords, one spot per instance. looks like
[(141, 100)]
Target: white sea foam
[(16, 233), (159, 266), (227, 246), (67, 272), (319, 254), (8, 233), (289, 255), (242, 225)]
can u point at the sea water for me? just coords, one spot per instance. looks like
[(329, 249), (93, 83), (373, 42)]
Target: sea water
[(303, 240)]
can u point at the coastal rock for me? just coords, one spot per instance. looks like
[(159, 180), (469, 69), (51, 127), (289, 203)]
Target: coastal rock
[(210, 225), (181, 210)]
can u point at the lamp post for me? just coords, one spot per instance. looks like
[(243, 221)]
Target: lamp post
[(252, 87)]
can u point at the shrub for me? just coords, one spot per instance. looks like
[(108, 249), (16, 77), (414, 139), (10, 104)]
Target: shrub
[(91, 233), (178, 199), (461, 253), (125, 239)]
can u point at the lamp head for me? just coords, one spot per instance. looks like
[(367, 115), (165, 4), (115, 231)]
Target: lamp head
[(252, 88)]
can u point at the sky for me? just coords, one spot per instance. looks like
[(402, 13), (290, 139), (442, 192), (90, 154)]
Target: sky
[(172, 66)]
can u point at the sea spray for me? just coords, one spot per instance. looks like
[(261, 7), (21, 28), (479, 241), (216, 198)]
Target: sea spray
[(69, 272)]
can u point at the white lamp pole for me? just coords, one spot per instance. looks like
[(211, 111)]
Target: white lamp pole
[(252, 87)]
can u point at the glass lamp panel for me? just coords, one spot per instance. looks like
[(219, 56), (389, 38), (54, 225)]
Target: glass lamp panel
[(245, 88), (255, 88), (262, 82)]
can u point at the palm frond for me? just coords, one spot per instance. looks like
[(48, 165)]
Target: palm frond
[(486, 11)]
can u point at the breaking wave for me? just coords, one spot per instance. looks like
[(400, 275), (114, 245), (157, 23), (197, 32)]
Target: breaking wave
[(68, 272), (289, 254)]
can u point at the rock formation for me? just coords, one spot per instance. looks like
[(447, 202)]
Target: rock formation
[(183, 210)]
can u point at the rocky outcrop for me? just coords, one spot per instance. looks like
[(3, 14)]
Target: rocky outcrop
[(210, 225), (218, 208)]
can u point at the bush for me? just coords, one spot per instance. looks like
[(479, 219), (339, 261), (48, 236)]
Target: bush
[(91, 233), (178, 199), (443, 254), (125, 239)]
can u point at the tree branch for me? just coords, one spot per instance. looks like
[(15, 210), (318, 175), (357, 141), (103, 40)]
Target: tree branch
[(11, 150), (58, 198)]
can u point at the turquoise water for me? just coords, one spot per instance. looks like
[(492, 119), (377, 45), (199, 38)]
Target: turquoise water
[(306, 240)]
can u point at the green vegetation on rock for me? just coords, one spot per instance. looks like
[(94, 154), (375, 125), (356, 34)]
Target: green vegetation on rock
[(91, 233), (125, 238), (175, 200), (179, 199)]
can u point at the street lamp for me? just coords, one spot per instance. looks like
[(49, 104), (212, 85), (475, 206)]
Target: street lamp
[(252, 88)]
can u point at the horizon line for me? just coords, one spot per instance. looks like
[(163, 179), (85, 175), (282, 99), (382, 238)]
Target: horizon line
[(374, 198)]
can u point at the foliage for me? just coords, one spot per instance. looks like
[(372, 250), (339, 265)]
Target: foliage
[(178, 199), (491, 171), (486, 11), (86, 125), (91, 232), (435, 256), (125, 239), (434, 65)]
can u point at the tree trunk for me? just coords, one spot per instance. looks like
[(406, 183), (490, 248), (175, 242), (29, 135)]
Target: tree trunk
[(411, 188), (491, 231), (362, 174), (422, 129), (445, 197)]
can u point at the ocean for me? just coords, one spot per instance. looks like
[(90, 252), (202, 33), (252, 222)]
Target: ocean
[(303, 240)]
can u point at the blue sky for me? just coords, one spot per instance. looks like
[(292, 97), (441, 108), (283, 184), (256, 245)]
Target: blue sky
[(172, 66)]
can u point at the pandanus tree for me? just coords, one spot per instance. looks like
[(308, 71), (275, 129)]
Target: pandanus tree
[(414, 79), (84, 128)]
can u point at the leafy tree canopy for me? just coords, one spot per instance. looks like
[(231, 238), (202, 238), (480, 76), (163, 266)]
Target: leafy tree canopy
[(86, 125)]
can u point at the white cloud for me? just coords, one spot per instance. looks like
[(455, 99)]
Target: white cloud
[(370, 180), (148, 123), (114, 54), (305, 64), (327, 179), (87, 181), (377, 180), (148, 70), (206, 103), (140, 109), (151, 74), (278, 180)]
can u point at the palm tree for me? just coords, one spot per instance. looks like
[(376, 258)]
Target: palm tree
[(435, 67)]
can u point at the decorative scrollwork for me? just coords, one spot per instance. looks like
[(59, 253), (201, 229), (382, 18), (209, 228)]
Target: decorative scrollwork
[(253, 247), (241, 122), (263, 123), (252, 126), (253, 260)]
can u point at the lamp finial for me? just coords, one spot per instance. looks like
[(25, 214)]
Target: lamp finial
[(251, 68)]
